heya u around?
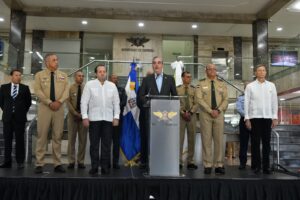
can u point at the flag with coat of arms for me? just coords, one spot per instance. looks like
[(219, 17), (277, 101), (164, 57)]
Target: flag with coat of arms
[(130, 138)]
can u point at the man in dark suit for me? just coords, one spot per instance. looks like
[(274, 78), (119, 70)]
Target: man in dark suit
[(117, 129), (15, 101), (157, 83)]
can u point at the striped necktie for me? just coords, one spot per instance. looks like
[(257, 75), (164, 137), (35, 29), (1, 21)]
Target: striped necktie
[(15, 92)]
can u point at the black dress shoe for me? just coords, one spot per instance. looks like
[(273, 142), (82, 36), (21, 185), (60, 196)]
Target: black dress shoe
[(192, 166), (20, 166), (116, 166), (220, 170), (5, 165), (180, 166), (241, 167), (38, 170), (104, 171), (267, 171), (93, 171), (59, 169), (207, 170), (71, 166), (81, 166)]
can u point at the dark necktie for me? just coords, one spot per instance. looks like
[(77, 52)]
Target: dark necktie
[(78, 99), (187, 99), (15, 92), (52, 88), (213, 96)]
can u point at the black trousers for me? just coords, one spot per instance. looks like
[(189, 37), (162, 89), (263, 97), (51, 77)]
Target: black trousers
[(116, 141), (11, 128), (144, 132), (100, 130), (261, 131), (244, 140)]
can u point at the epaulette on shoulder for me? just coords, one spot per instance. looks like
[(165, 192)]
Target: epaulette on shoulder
[(192, 86), (178, 86), (202, 79)]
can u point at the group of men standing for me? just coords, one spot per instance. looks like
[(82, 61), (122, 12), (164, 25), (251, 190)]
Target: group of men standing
[(96, 108)]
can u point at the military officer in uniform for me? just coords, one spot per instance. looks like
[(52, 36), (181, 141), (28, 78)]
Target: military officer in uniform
[(188, 108), (211, 94), (51, 87), (75, 125)]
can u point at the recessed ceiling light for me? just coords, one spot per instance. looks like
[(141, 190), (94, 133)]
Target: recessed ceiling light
[(294, 7), (282, 99), (84, 22), (141, 24), (279, 29), (1, 19), (92, 58), (237, 74), (194, 26)]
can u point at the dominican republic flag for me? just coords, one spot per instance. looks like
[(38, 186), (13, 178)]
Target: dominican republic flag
[(130, 137)]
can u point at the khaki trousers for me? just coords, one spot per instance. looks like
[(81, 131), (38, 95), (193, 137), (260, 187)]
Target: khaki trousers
[(190, 126), (76, 128), (212, 133), (46, 119)]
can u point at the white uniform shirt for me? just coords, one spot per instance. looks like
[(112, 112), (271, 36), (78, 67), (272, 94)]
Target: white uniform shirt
[(178, 66), (100, 102), (261, 100)]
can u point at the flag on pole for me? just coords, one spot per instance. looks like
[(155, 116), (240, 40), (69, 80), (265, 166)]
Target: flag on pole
[(130, 137)]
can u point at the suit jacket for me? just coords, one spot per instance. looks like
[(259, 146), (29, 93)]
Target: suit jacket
[(21, 103), (149, 86), (123, 99)]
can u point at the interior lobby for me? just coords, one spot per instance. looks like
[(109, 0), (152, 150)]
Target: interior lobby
[(236, 35)]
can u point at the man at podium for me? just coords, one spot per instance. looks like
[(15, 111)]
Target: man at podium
[(157, 83)]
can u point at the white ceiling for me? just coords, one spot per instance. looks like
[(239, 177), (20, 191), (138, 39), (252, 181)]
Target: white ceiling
[(130, 26), (283, 18), (203, 6)]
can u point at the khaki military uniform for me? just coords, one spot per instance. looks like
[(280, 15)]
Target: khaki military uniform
[(48, 118), (75, 126), (212, 129), (191, 107)]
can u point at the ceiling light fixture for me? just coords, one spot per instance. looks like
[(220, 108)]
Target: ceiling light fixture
[(294, 7), (1, 19), (84, 22), (282, 99), (279, 29), (194, 26), (141, 24)]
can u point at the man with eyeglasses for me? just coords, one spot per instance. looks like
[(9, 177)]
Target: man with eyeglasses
[(211, 95), (157, 83)]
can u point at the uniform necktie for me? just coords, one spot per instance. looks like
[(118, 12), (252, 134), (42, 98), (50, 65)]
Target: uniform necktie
[(52, 89), (78, 98), (187, 99), (15, 92), (213, 96)]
